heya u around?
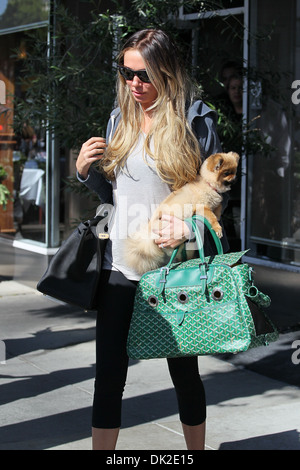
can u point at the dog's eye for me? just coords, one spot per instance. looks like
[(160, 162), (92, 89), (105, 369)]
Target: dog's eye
[(227, 173)]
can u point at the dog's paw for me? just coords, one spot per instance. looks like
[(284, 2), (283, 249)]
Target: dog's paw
[(218, 229)]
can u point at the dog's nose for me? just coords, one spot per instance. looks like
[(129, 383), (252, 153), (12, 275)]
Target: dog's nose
[(232, 181)]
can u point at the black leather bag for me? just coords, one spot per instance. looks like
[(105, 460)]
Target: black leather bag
[(73, 273)]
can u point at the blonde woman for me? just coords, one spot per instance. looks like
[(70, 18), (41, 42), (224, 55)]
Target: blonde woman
[(155, 141)]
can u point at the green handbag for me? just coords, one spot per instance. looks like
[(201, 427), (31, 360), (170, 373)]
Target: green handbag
[(207, 305)]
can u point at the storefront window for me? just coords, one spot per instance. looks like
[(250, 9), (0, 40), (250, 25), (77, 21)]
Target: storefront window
[(22, 155), (20, 13), (294, 239), (218, 57), (40, 207), (273, 216)]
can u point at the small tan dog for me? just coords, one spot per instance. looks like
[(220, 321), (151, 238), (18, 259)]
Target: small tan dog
[(202, 196)]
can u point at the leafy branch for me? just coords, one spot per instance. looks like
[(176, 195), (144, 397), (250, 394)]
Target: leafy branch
[(5, 195)]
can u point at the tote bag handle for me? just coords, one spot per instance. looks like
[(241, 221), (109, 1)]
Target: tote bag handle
[(199, 240)]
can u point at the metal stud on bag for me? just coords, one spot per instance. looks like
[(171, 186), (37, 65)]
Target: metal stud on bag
[(217, 294), (153, 301), (182, 297)]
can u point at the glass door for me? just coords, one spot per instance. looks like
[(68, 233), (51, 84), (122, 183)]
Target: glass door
[(273, 218), (220, 58)]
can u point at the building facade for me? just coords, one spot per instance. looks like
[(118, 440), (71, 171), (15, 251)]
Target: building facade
[(264, 212)]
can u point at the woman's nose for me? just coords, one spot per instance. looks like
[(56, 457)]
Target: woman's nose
[(136, 81)]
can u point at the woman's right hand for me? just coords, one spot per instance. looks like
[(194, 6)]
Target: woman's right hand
[(91, 151)]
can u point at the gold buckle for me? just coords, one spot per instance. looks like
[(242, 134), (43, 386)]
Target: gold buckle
[(103, 236)]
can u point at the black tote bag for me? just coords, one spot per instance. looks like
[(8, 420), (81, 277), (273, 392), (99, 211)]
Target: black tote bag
[(73, 273)]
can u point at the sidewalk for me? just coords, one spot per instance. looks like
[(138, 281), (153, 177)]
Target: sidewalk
[(47, 384)]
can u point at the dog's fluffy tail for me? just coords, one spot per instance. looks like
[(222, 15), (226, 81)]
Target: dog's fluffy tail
[(141, 252)]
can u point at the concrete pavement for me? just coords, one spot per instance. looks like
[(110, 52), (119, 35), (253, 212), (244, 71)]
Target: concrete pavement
[(47, 384)]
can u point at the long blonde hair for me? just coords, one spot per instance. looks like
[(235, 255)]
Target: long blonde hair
[(175, 150)]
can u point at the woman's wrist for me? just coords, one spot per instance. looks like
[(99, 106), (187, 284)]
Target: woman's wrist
[(82, 176), (82, 172)]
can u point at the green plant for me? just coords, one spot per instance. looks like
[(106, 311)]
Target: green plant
[(71, 90), (70, 84), (4, 192), (4, 196), (3, 174)]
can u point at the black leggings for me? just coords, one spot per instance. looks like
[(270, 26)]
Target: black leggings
[(116, 296)]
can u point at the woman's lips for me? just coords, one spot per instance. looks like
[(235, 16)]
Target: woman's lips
[(137, 93)]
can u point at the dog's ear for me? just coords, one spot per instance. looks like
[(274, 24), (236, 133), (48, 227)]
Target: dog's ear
[(236, 156), (219, 162), (214, 162)]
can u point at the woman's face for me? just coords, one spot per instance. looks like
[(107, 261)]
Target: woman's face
[(143, 93), (235, 90)]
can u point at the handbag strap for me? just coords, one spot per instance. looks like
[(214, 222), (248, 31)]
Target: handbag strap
[(164, 271), (199, 240), (215, 237)]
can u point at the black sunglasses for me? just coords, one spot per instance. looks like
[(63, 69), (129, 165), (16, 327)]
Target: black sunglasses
[(128, 74)]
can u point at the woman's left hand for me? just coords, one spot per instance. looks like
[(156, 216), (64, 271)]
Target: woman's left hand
[(173, 233)]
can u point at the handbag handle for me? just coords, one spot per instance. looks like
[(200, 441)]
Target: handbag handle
[(199, 241), (215, 237)]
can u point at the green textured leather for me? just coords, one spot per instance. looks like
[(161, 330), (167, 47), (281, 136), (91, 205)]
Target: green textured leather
[(207, 305)]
